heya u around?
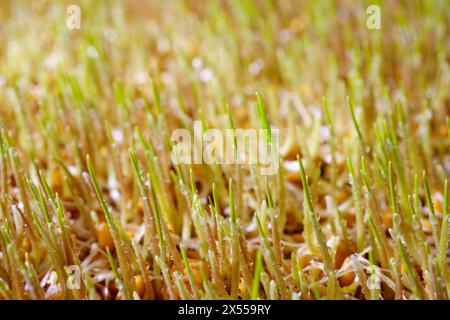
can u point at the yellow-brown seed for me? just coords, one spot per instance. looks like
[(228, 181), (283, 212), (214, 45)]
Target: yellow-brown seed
[(386, 216), (140, 285), (42, 253), (341, 196), (349, 217), (306, 259), (297, 238), (105, 240), (347, 277), (341, 254), (26, 244)]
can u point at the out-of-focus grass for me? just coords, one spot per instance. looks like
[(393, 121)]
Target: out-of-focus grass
[(86, 177)]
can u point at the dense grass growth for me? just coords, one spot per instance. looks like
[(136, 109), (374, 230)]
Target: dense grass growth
[(357, 210)]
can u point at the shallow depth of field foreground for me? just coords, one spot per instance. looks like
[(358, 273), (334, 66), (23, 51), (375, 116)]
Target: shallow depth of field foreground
[(93, 204)]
